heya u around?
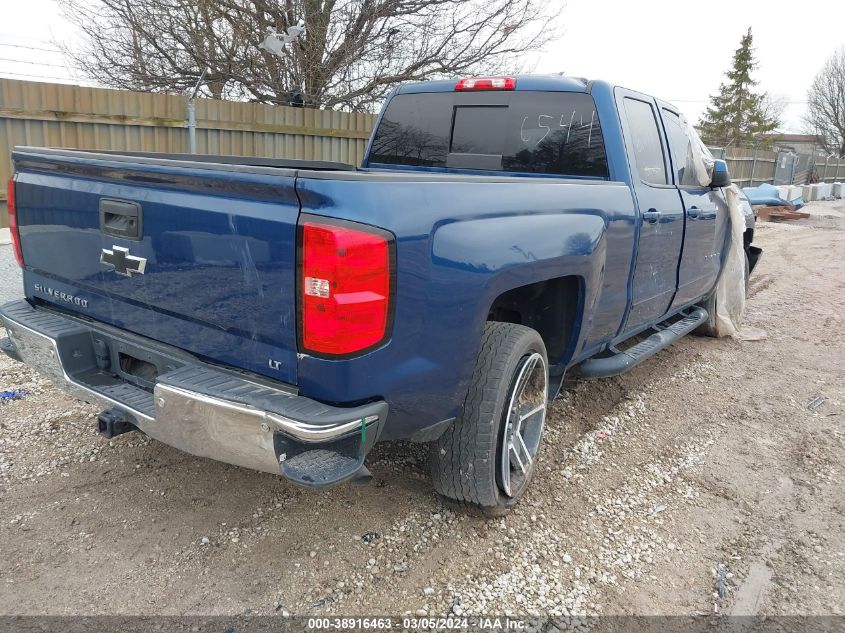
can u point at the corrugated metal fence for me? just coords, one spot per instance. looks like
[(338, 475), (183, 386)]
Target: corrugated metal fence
[(751, 167), (56, 115)]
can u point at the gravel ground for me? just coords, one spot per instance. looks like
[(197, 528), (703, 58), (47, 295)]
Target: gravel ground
[(699, 482), (10, 275)]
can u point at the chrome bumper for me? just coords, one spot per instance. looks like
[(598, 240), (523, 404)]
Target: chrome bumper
[(196, 407)]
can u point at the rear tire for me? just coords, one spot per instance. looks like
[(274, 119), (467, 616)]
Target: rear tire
[(487, 458)]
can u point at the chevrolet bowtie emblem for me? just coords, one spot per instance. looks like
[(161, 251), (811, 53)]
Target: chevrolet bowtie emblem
[(123, 263)]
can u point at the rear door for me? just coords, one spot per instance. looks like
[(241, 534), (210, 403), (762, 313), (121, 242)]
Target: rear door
[(661, 214), (201, 258), (706, 216)]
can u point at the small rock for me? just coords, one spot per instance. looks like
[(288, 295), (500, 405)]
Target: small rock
[(428, 591), (369, 537)]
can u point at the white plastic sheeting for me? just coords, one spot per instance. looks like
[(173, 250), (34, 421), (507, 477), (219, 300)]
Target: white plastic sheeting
[(700, 157), (730, 289)]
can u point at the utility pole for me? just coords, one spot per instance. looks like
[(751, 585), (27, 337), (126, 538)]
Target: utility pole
[(192, 115)]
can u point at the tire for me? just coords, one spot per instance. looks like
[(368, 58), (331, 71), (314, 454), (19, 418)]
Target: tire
[(708, 328), (467, 462)]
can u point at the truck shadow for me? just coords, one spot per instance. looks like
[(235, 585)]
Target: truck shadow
[(401, 468)]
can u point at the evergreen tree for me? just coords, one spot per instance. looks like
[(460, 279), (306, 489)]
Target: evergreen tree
[(738, 114)]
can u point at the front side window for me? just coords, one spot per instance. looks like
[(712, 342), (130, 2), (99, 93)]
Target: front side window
[(681, 149), (645, 141)]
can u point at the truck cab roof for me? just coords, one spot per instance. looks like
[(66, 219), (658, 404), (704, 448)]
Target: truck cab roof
[(536, 83), (546, 83)]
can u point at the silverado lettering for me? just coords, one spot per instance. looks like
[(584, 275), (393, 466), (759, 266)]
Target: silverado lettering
[(61, 296)]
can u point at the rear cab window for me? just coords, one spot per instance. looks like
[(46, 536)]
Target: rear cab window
[(555, 133)]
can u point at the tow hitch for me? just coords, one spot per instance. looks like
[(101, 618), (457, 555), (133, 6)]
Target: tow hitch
[(114, 422)]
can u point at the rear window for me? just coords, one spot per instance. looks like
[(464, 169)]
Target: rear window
[(532, 132)]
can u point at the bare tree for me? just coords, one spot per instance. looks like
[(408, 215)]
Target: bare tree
[(353, 51), (826, 104), (774, 106)]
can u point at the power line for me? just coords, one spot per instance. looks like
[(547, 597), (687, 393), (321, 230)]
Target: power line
[(31, 76), (32, 48), (708, 101), (22, 61), (15, 36)]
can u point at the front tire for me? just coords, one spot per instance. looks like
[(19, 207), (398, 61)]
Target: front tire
[(708, 328), (488, 457)]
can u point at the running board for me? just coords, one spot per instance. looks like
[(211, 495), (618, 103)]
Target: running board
[(622, 361)]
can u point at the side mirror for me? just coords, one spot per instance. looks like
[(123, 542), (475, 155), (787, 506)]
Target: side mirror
[(721, 176)]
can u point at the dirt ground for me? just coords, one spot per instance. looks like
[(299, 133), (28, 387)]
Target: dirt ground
[(703, 472)]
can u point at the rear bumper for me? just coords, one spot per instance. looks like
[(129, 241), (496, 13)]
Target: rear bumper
[(193, 406)]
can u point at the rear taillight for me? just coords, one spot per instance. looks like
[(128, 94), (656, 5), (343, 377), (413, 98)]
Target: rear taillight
[(13, 221), (486, 83), (345, 286)]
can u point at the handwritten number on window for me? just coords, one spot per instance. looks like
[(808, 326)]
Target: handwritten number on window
[(567, 126), (545, 127), (522, 131)]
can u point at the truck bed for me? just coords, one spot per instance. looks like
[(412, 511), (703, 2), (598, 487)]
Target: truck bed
[(217, 241), (219, 244), (228, 159)]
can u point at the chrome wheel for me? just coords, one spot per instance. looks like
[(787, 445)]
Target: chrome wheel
[(523, 426)]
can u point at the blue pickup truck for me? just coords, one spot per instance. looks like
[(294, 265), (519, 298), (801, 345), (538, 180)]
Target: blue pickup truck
[(287, 315)]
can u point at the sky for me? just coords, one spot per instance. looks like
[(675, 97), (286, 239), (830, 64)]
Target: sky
[(673, 49)]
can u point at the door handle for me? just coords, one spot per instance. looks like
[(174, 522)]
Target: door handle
[(651, 216), (693, 212), (121, 218)]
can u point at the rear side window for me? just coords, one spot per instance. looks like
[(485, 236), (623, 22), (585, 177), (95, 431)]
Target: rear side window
[(531, 132), (645, 140)]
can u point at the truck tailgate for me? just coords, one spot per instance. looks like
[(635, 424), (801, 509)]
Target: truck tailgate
[(201, 258)]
